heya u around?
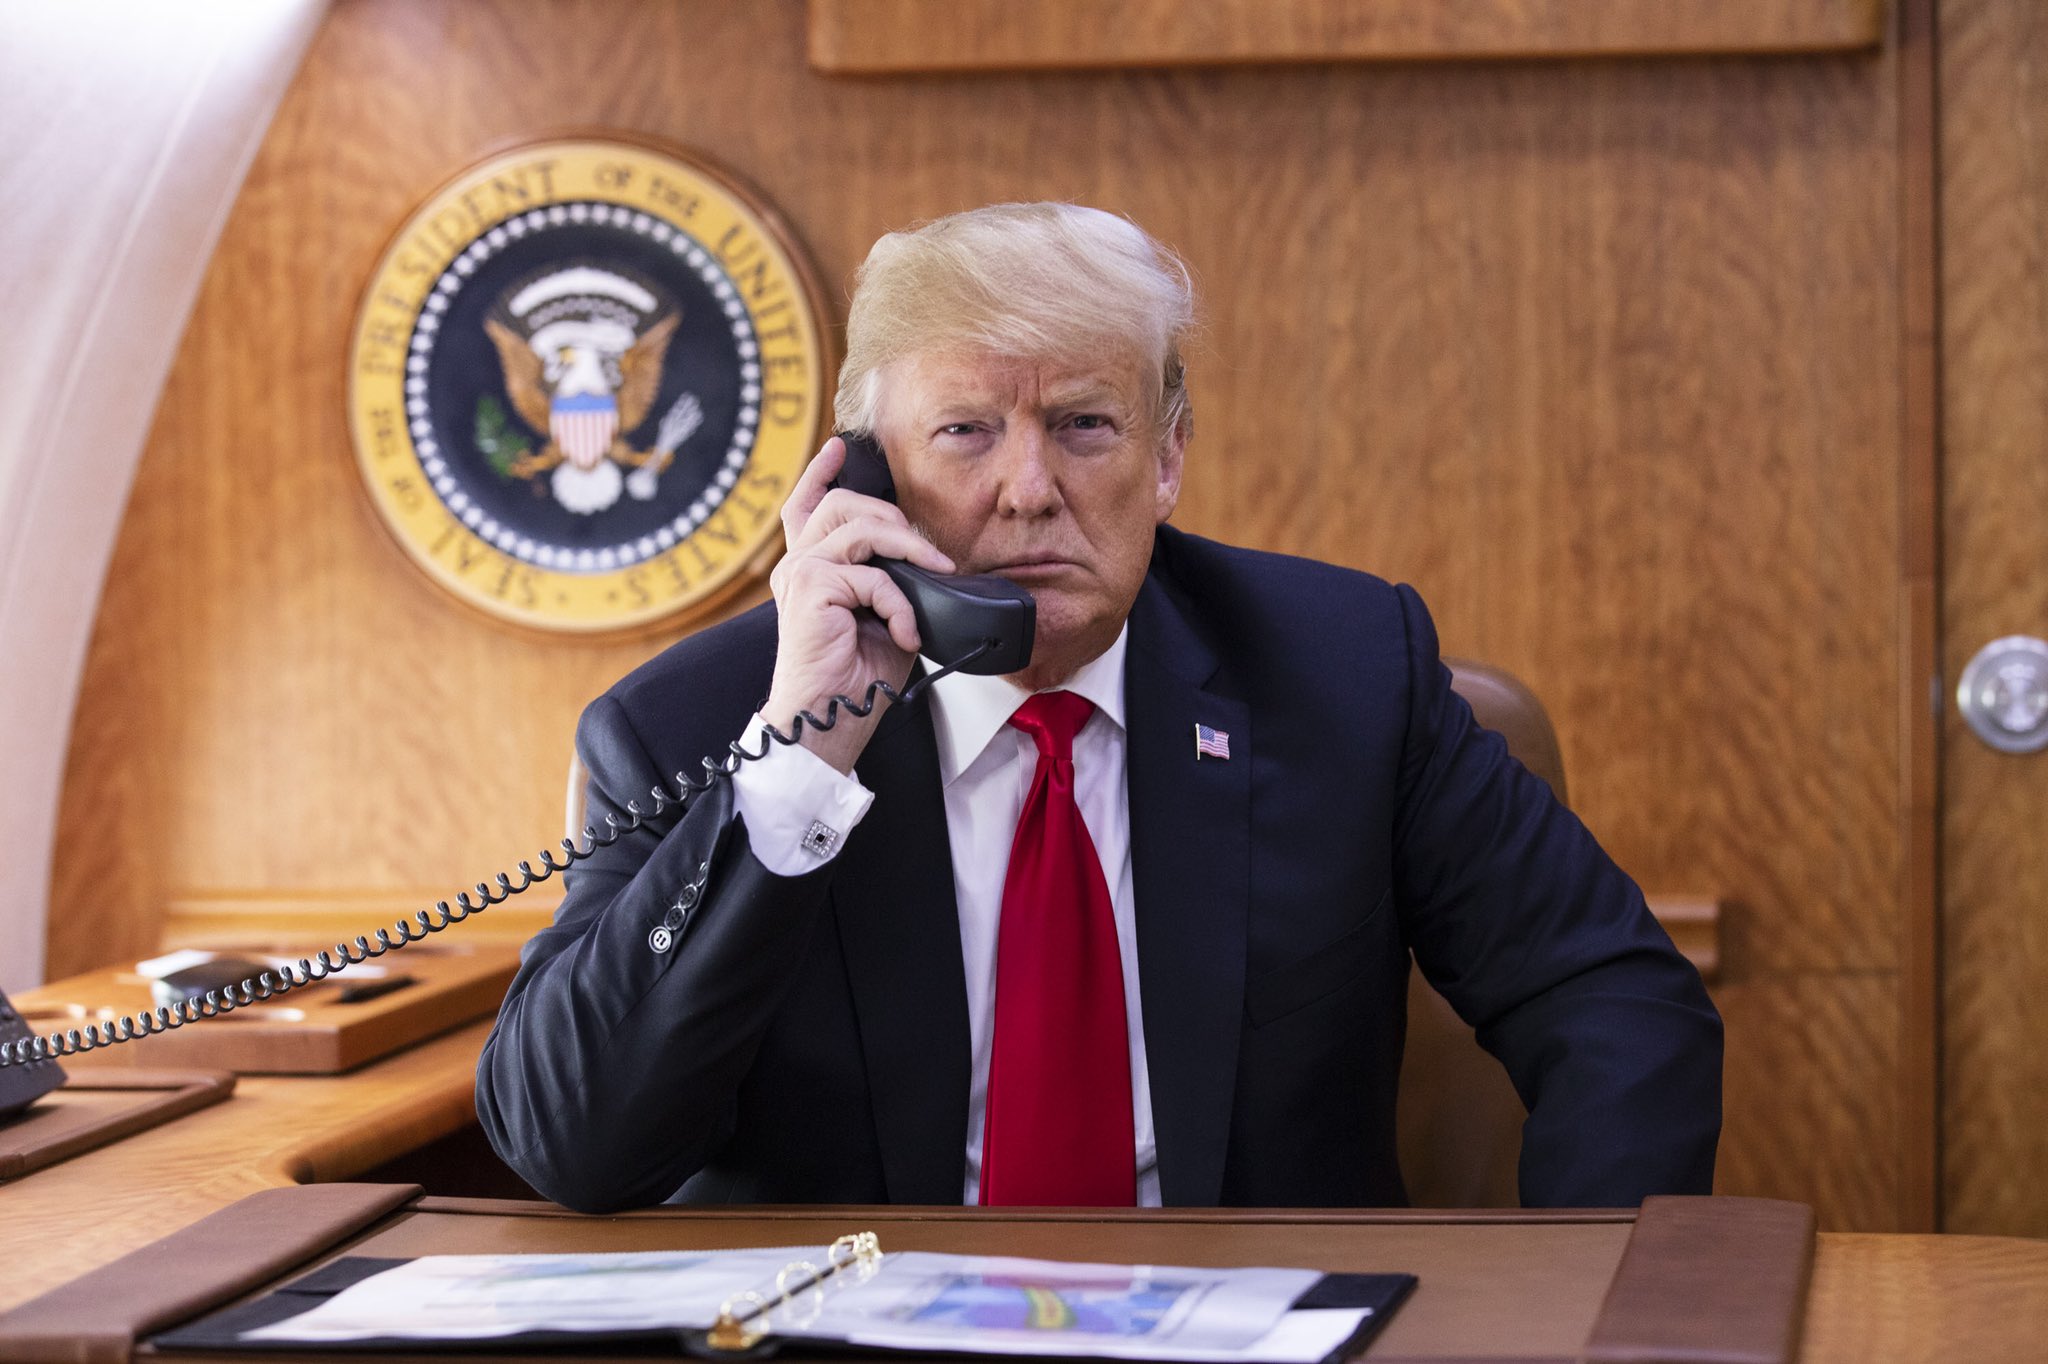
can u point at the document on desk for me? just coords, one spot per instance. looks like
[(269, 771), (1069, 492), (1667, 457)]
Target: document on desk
[(482, 1297), (908, 1301)]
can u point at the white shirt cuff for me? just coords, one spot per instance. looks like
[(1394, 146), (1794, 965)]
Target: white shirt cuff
[(798, 807)]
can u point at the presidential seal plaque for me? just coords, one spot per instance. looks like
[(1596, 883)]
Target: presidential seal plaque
[(583, 379)]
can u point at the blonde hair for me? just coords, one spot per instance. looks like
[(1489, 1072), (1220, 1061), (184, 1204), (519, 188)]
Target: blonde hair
[(1031, 281)]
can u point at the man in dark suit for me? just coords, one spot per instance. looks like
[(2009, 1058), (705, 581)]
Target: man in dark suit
[(1131, 925)]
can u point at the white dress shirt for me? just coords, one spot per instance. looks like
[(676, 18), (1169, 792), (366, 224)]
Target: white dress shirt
[(799, 810)]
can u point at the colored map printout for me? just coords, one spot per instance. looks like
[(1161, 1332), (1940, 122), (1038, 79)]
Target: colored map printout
[(999, 1305)]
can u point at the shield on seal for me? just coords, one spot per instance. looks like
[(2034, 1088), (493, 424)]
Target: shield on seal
[(583, 424)]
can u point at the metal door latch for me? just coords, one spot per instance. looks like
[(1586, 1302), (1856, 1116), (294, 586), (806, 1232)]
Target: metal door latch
[(2004, 694)]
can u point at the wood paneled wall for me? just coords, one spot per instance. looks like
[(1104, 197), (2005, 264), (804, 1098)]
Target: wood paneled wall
[(1603, 356)]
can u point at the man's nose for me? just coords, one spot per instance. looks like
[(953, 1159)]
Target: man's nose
[(1024, 466)]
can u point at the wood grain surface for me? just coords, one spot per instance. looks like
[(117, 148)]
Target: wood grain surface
[(872, 36), (57, 1223), (1918, 659), (1924, 1299), (1994, 57), (1603, 357)]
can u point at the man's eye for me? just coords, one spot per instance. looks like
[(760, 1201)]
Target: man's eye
[(957, 429), (1091, 421)]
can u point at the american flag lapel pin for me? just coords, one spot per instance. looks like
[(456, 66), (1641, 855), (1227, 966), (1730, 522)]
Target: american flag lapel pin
[(1211, 743)]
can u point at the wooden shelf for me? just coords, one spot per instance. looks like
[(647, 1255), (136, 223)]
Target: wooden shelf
[(873, 37)]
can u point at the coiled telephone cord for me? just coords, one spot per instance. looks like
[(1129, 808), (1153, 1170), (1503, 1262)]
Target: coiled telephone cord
[(282, 980)]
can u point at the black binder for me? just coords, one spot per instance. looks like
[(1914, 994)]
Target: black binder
[(222, 1330)]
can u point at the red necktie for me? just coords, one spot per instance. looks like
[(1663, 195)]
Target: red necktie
[(1057, 1125)]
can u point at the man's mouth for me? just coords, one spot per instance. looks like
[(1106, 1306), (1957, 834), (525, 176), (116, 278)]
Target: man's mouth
[(1032, 567)]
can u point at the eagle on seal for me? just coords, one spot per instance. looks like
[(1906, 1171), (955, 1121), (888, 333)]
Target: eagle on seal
[(585, 371)]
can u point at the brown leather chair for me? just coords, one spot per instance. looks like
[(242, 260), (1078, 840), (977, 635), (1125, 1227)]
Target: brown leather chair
[(1459, 1118), (1460, 1121)]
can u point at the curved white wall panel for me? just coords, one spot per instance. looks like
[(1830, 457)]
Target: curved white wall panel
[(126, 127)]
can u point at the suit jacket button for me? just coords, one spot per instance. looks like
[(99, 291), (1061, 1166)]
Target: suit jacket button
[(661, 940)]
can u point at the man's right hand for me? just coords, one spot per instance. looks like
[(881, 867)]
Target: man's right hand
[(841, 622)]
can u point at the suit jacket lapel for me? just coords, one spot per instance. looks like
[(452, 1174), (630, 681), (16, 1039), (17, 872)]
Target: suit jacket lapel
[(899, 928), (1191, 874)]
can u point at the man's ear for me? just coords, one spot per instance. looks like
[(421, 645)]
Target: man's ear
[(1173, 450)]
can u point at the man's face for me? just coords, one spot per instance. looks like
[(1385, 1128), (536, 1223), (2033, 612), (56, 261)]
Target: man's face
[(1049, 473)]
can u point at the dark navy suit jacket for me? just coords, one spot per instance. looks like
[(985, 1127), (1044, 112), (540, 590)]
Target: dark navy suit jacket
[(805, 1039)]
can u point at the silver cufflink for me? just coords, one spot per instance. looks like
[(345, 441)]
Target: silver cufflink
[(820, 839)]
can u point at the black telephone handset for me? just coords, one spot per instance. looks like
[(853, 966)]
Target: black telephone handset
[(964, 624), (22, 1085), (955, 615)]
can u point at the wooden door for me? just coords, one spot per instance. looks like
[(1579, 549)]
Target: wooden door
[(1994, 825)]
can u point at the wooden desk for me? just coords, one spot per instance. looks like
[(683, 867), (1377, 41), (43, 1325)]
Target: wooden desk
[(1895, 1298)]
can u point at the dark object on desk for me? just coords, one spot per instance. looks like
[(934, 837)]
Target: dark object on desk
[(217, 976), (358, 992), (22, 1082), (227, 973)]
